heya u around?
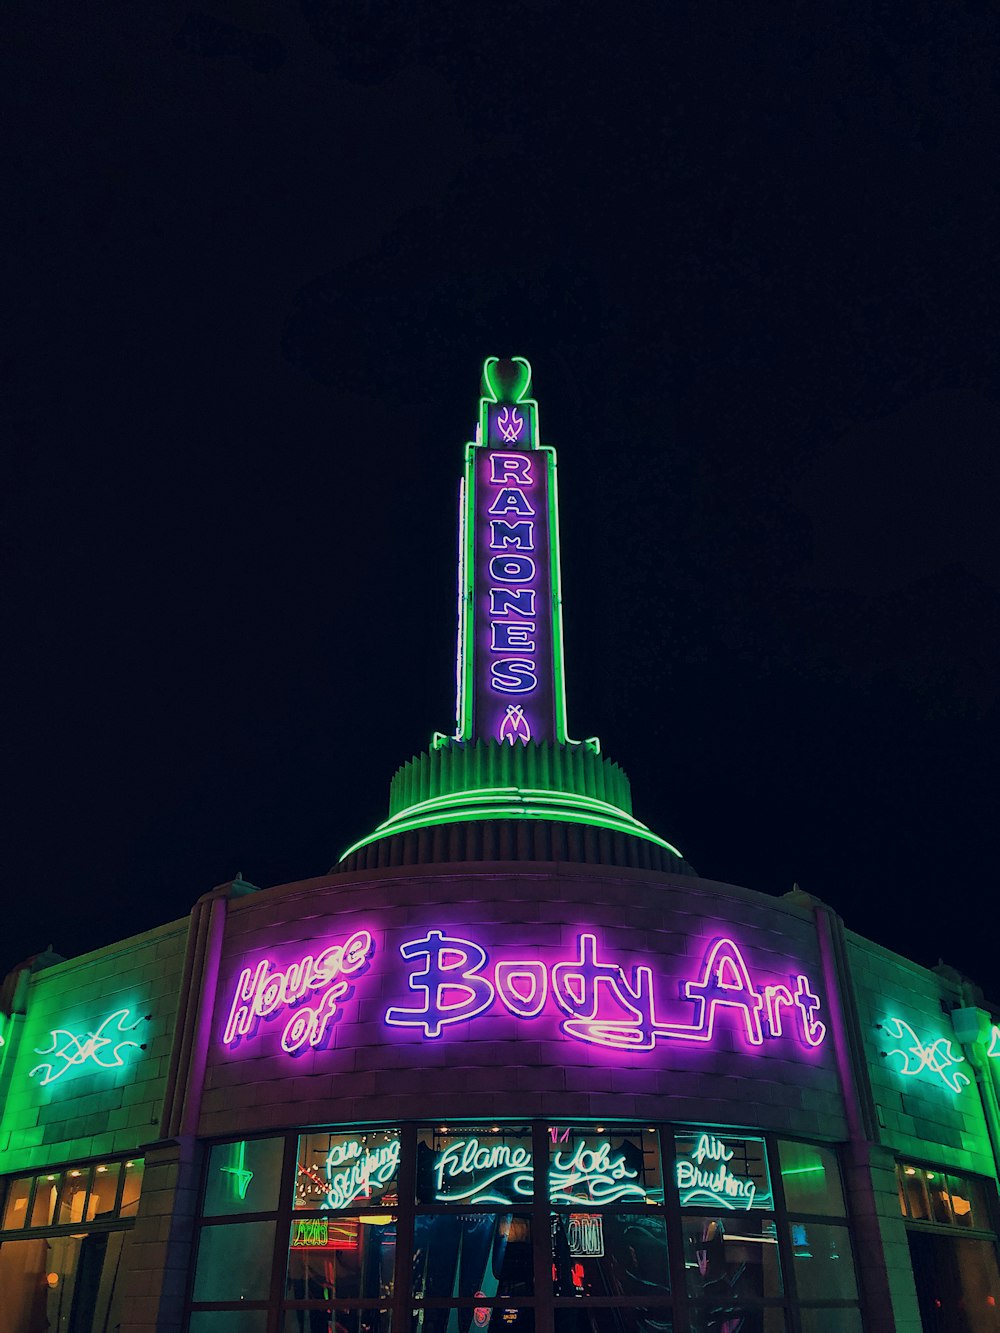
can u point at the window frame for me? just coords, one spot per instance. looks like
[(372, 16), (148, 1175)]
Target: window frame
[(544, 1303)]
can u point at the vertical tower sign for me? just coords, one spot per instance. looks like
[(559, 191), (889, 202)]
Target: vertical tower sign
[(510, 654)]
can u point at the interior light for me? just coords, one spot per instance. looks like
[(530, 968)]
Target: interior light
[(52, 1279)]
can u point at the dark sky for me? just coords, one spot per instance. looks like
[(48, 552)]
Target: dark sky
[(255, 255)]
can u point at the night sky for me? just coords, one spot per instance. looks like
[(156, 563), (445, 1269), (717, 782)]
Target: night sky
[(255, 255)]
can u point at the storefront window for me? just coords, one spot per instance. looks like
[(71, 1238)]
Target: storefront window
[(726, 1316), (476, 1251), (477, 1165), (610, 1254), (244, 1177), (958, 1285), (72, 1200), (15, 1211), (334, 1321), (60, 1282), (346, 1170), (824, 1263), (598, 1319), (733, 1257), (836, 1319), (811, 1179), (131, 1187), (728, 1172), (968, 1203), (43, 1206), (341, 1258), (234, 1262), (465, 1255), (929, 1195), (103, 1191), (230, 1321), (598, 1166)]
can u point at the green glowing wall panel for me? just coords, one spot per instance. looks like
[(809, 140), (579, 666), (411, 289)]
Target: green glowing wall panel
[(80, 1107), (927, 1113)]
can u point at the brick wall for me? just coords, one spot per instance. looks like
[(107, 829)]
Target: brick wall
[(497, 1064), (919, 1115), (86, 1110)]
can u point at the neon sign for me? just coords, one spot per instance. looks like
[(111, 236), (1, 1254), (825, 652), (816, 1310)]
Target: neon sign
[(601, 1003), (937, 1056), (585, 1235), (267, 990), (74, 1051), (514, 726), (715, 1183), (593, 1175), (513, 594), (484, 1167), (510, 423), (354, 1171), (510, 614), (321, 1233), (241, 1173)]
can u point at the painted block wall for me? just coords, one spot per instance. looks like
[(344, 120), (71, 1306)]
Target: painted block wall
[(86, 1110), (920, 1116), (499, 1065)]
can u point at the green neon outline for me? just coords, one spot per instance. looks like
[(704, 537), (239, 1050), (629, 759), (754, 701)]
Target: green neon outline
[(522, 388), (466, 573), (460, 650), (463, 730), (488, 365), (555, 578), (484, 402), (553, 815), (477, 795), (518, 803)]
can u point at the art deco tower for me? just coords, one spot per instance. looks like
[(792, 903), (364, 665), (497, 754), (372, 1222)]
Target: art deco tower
[(509, 782)]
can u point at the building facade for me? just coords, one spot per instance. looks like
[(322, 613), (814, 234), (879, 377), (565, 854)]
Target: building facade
[(512, 1062)]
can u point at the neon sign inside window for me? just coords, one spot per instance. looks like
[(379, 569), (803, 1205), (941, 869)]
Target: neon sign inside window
[(467, 1170), (705, 1178), (592, 1174), (602, 1003), (357, 1171)]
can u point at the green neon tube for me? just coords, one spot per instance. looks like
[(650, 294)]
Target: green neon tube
[(520, 811)]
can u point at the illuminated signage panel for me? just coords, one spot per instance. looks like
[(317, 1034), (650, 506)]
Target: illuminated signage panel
[(440, 983), (347, 1170), (602, 1003), (101, 1046), (474, 1166), (513, 596), (722, 1173)]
